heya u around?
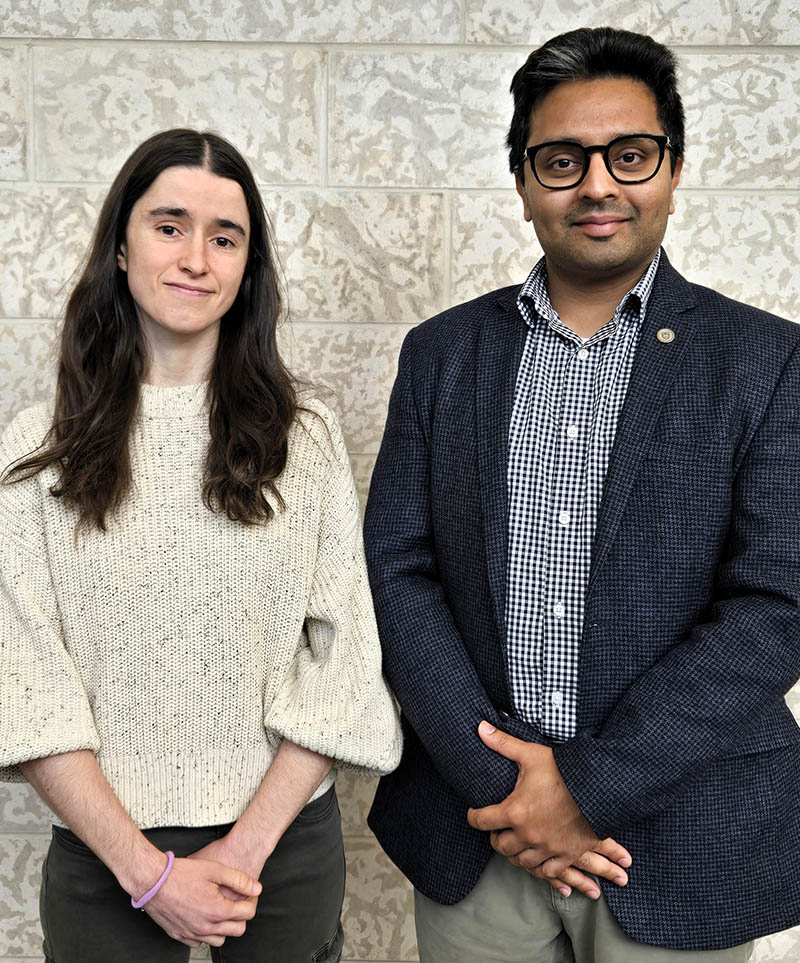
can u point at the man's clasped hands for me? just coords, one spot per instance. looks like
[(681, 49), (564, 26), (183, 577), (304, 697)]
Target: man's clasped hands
[(539, 826)]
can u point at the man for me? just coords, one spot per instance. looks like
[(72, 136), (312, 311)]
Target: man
[(584, 529)]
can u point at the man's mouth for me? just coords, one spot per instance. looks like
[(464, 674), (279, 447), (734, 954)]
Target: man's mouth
[(599, 225)]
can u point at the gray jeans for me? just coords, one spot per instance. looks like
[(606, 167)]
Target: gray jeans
[(513, 917), (87, 917)]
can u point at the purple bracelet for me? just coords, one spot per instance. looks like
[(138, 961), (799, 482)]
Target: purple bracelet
[(139, 903)]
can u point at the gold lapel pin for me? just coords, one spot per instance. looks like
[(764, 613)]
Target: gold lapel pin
[(665, 335)]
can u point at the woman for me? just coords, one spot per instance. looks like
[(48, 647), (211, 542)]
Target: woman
[(186, 631)]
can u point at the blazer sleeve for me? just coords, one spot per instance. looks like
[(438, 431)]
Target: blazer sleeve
[(690, 708), (44, 707), (424, 656), (334, 699)]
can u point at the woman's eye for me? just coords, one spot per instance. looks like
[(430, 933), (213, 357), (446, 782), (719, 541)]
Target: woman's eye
[(224, 242), (168, 230)]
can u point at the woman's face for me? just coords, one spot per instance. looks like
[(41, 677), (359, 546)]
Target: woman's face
[(185, 252)]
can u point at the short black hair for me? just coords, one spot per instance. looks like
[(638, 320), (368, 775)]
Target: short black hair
[(589, 54)]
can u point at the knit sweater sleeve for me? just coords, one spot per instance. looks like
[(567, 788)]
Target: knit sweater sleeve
[(44, 709), (334, 699)]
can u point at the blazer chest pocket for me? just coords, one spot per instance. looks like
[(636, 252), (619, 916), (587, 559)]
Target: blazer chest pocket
[(681, 501), (684, 451)]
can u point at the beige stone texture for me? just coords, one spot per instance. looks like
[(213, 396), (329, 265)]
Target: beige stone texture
[(21, 810), (422, 119), (355, 798), (744, 245), (378, 906), (14, 121), (360, 256), (27, 365), (492, 244), (44, 234), (778, 948), (669, 21), (95, 104), (741, 117), (354, 368), (264, 21), (20, 872), (793, 701)]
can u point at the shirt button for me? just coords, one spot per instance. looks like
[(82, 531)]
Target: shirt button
[(563, 518), (557, 698), (572, 431), (558, 610), (583, 354)]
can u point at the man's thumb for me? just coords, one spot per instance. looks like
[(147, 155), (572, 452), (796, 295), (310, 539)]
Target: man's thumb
[(500, 742)]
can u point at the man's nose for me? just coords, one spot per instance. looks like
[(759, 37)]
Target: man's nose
[(598, 183)]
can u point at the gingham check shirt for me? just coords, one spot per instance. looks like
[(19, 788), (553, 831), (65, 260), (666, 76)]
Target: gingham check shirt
[(567, 400)]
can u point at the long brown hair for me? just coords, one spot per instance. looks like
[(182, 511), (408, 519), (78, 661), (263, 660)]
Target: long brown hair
[(252, 396)]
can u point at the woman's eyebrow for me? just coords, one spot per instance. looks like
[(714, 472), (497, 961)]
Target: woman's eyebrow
[(169, 212), (182, 212)]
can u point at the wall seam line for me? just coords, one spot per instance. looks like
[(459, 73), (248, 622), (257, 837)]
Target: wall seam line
[(383, 46)]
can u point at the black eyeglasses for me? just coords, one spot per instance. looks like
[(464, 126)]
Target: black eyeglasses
[(632, 159)]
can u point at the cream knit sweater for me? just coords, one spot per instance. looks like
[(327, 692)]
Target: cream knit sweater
[(180, 647)]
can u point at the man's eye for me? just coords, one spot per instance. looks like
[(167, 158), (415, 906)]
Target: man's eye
[(223, 242), (629, 158), (562, 163), (168, 230)]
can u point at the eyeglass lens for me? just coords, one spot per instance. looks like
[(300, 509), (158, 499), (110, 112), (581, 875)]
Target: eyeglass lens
[(630, 159)]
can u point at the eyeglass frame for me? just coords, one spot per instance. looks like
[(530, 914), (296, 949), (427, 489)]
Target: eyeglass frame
[(530, 154)]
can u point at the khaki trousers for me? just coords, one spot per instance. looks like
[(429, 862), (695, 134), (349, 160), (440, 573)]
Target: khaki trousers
[(513, 917)]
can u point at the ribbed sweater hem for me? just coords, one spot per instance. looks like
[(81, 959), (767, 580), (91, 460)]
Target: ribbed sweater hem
[(192, 789)]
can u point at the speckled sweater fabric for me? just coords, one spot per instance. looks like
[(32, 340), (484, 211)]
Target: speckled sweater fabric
[(180, 647)]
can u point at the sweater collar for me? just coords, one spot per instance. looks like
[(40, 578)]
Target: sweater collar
[(173, 402)]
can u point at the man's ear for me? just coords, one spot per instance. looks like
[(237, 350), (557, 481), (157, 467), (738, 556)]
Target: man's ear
[(676, 176), (122, 257), (520, 185)]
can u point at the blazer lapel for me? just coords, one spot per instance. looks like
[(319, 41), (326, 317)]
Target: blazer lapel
[(654, 369), (499, 355)]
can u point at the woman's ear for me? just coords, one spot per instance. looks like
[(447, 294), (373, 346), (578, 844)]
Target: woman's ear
[(122, 257)]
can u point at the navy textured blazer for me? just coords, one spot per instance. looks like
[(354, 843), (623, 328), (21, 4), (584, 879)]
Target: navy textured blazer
[(686, 751)]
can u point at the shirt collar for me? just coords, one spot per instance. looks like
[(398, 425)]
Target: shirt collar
[(533, 294)]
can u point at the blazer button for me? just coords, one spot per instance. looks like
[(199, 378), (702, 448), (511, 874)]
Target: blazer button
[(665, 335)]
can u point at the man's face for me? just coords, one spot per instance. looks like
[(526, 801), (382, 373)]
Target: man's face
[(601, 227)]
